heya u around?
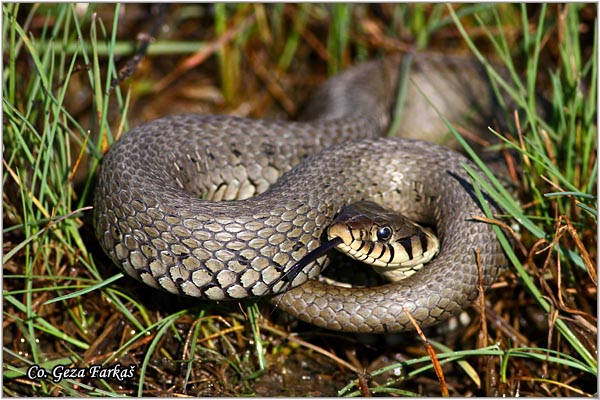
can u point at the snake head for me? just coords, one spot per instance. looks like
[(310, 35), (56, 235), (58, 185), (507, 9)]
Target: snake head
[(395, 246)]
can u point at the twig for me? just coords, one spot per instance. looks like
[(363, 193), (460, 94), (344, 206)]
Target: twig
[(201, 55), (434, 360)]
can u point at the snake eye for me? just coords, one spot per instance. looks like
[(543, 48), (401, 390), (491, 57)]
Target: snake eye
[(384, 233)]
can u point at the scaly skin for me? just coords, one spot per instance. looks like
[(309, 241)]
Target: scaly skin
[(159, 215)]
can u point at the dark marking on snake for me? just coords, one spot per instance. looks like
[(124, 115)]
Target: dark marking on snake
[(407, 244), (392, 252), (242, 260), (423, 240)]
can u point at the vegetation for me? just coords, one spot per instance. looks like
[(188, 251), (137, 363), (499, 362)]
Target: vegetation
[(76, 77)]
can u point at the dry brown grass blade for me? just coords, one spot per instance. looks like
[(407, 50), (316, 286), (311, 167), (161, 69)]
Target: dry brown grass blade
[(315, 44), (270, 78), (30, 194), (432, 354), (483, 337), (80, 156), (560, 189), (590, 265), (505, 228), (201, 55), (363, 385), (542, 246), (526, 159), (561, 384), (378, 38)]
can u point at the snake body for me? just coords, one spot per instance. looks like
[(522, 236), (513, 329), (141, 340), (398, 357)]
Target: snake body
[(221, 207)]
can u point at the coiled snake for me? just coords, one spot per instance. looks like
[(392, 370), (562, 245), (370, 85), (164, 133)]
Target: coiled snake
[(159, 212)]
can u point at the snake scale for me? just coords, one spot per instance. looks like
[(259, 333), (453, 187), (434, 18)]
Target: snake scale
[(220, 207)]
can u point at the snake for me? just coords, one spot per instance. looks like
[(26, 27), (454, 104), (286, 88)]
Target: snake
[(394, 246), (221, 207)]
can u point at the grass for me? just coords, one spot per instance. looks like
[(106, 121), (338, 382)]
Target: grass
[(65, 304), (534, 149)]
